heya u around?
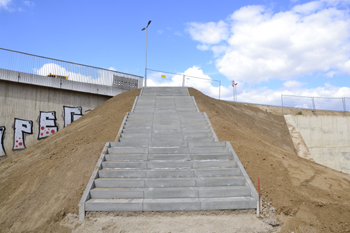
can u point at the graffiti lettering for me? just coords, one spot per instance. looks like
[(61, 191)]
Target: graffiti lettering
[(71, 114), (47, 124), (2, 133), (21, 127)]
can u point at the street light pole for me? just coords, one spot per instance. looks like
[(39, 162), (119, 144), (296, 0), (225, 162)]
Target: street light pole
[(149, 22)]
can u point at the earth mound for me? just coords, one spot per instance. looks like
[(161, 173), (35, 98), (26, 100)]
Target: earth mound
[(43, 184)]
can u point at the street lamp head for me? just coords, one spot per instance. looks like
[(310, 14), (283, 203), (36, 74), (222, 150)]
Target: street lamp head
[(149, 22), (143, 29)]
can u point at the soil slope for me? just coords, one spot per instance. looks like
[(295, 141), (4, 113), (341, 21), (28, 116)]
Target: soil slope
[(309, 197), (40, 185)]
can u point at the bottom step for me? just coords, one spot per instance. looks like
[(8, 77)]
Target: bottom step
[(175, 204)]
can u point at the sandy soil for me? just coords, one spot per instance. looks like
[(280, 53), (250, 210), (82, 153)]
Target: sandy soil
[(40, 185), (193, 221), (307, 196), (40, 188)]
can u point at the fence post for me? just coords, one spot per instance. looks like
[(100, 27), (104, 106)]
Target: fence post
[(282, 104), (183, 80), (313, 104), (344, 106)]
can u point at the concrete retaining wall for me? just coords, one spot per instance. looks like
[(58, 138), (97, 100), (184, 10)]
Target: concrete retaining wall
[(29, 113), (327, 139)]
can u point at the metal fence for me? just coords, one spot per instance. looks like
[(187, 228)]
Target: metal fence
[(209, 87), (341, 104), (44, 66)]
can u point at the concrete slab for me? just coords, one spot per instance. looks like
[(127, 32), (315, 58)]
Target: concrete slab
[(114, 205), (176, 204)]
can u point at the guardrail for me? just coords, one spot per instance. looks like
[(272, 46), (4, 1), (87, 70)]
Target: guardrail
[(341, 104), (44, 66)]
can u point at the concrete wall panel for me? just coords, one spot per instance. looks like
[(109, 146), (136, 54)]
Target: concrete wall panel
[(315, 132), (24, 101), (327, 138)]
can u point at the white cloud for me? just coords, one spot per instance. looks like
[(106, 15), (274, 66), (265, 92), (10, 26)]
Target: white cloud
[(262, 95), (209, 33), (194, 77), (4, 4), (292, 84), (87, 75), (256, 44)]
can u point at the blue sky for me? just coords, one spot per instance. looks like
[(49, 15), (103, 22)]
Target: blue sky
[(269, 47)]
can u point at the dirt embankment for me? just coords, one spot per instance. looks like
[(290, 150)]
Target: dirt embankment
[(40, 185), (309, 197)]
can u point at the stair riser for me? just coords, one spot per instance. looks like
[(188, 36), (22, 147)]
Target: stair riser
[(114, 207), (122, 174), (116, 194), (224, 193), (133, 157), (120, 183), (127, 150), (226, 205), (231, 181), (217, 172), (125, 165)]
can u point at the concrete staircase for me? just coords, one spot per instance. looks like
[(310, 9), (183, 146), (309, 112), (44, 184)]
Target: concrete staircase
[(167, 158)]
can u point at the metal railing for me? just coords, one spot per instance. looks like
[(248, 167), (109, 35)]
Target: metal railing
[(43, 66), (209, 87), (341, 104)]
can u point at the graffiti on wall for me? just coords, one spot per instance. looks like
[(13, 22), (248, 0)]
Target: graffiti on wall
[(21, 127), (71, 114), (2, 133), (47, 124)]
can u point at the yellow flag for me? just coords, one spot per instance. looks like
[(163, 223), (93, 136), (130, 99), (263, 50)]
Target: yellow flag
[(163, 76)]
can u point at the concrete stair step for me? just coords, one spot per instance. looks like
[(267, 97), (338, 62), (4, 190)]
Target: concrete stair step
[(212, 156), (214, 164), (108, 193), (217, 172), (220, 181), (227, 203), (169, 164), (231, 191), (170, 157), (131, 157), (178, 192), (116, 150), (170, 204), (175, 204), (124, 165), (173, 157), (114, 205), (106, 172), (206, 144), (129, 173), (170, 182), (119, 182), (140, 143)]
